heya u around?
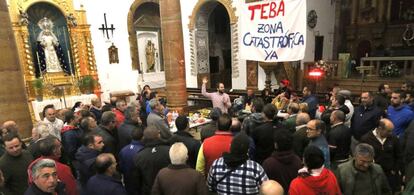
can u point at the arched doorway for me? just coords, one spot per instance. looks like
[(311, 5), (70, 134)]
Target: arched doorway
[(213, 46), (145, 38), (219, 46), (36, 13)]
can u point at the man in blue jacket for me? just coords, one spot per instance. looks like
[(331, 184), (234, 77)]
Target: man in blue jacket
[(399, 113), (103, 183)]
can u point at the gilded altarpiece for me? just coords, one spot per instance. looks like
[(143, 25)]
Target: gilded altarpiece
[(77, 48)]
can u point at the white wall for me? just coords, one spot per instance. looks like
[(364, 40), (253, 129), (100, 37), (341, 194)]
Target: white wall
[(114, 77), (324, 27)]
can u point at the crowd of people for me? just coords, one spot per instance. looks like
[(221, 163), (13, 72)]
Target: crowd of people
[(277, 143)]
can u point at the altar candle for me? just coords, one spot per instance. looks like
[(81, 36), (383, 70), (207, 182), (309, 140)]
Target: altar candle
[(38, 64)]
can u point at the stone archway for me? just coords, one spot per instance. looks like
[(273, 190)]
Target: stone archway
[(199, 34), (132, 32)]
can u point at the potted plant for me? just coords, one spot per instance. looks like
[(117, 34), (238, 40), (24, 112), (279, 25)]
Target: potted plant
[(38, 89), (87, 84)]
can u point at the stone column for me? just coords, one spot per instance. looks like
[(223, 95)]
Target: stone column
[(14, 101), (173, 53), (381, 8), (389, 4)]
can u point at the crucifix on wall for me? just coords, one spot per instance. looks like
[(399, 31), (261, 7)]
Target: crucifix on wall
[(105, 29)]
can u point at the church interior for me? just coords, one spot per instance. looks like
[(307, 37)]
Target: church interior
[(61, 52)]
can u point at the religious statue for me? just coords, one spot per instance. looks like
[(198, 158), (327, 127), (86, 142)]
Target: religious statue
[(50, 54), (150, 56)]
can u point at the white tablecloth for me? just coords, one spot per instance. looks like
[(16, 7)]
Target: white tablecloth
[(59, 103)]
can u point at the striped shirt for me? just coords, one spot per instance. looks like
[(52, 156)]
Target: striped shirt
[(245, 179)]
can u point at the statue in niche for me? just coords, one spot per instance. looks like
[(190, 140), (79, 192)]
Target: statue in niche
[(50, 54), (113, 54), (150, 56)]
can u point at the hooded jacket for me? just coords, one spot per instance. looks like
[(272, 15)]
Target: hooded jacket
[(325, 184), (282, 167), (34, 190)]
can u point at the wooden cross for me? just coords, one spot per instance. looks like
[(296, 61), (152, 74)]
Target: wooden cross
[(105, 28)]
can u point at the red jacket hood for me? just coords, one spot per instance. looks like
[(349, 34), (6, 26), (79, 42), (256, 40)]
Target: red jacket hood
[(318, 182)]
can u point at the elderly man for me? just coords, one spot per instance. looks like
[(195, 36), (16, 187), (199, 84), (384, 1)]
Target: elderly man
[(290, 122), (54, 124), (219, 99), (45, 180), (388, 153), (156, 118), (104, 183), (300, 139), (186, 180), (131, 122), (119, 112), (50, 148), (361, 175), (14, 164)]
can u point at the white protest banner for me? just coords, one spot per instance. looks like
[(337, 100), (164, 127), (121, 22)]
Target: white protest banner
[(273, 31)]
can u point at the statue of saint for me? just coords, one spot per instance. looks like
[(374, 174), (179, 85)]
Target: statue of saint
[(50, 53), (150, 56)]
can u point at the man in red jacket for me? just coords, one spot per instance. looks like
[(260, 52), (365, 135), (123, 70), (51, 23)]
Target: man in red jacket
[(213, 147), (50, 148), (119, 112)]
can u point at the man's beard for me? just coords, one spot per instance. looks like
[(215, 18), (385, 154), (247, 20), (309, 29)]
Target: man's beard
[(221, 92)]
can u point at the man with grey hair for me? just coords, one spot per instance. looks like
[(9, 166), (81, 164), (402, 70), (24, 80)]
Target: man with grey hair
[(156, 118), (131, 122), (186, 180), (119, 112), (361, 175), (107, 130), (45, 180), (300, 140)]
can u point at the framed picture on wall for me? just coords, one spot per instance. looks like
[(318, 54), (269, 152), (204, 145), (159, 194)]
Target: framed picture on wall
[(149, 51)]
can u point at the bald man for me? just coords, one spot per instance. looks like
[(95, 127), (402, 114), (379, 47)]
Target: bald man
[(11, 126), (388, 152), (271, 187)]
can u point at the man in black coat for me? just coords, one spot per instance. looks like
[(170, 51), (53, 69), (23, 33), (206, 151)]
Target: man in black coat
[(86, 155), (339, 138), (365, 118), (388, 153), (182, 135), (107, 129), (150, 160), (263, 134), (131, 122), (300, 138)]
